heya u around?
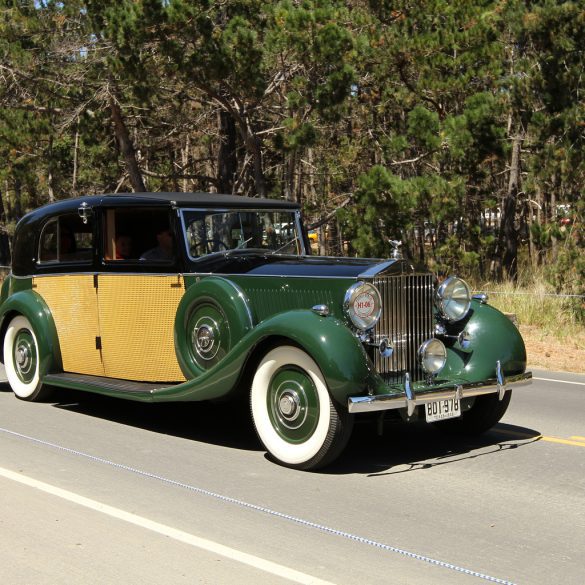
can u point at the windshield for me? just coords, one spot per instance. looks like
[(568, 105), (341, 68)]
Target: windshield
[(207, 232)]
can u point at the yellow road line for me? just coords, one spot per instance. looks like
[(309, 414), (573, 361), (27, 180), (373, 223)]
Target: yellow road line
[(573, 441), (563, 441)]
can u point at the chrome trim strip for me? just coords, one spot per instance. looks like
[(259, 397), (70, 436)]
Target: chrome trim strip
[(409, 399), (376, 269), (308, 276), (100, 273), (194, 274), (244, 298)]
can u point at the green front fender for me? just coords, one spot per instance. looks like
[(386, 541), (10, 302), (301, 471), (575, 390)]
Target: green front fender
[(336, 350), (334, 347), (31, 305), (493, 338)]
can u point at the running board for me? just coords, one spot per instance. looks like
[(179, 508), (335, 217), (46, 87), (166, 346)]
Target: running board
[(104, 385)]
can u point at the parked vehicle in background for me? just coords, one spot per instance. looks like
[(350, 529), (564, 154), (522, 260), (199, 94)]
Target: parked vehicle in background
[(564, 214), (162, 297)]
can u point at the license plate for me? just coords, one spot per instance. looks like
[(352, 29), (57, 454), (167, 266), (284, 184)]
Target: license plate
[(442, 409)]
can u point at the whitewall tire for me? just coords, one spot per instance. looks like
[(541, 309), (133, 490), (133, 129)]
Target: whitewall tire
[(295, 418), (22, 359)]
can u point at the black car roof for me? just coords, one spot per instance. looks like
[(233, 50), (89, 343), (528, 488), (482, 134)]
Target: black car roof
[(213, 200), (27, 228), (203, 199)]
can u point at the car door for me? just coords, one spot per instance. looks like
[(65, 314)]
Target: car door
[(138, 295), (65, 280)]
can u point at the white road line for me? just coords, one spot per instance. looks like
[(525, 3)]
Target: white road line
[(561, 381), (185, 537), (263, 510)]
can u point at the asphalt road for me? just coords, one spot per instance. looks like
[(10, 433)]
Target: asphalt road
[(94, 490)]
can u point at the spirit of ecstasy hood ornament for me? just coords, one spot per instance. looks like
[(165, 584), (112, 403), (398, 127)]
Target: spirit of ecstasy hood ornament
[(396, 252)]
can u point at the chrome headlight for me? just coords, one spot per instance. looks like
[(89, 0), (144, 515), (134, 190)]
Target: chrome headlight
[(363, 305), (453, 299), (432, 355)]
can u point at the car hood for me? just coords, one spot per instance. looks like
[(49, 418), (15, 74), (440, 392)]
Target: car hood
[(261, 264)]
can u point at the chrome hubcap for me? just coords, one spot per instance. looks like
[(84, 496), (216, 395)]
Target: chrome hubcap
[(22, 356), (293, 404), (289, 405), (25, 356), (205, 338)]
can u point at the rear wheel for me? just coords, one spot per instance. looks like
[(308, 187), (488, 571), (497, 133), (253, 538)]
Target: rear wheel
[(486, 412), (295, 418), (21, 360)]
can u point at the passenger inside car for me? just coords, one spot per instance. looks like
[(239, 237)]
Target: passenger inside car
[(123, 247), (165, 249)]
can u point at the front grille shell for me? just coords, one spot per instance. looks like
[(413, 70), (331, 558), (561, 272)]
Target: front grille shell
[(407, 320)]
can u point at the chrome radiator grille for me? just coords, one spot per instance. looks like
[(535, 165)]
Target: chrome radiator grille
[(407, 321)]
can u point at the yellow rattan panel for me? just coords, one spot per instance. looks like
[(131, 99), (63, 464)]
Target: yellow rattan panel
[(72, 300), (137, 316)]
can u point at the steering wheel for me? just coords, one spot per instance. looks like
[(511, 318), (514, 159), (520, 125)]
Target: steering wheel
[(208, 247)]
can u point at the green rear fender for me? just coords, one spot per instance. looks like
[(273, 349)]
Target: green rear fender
[(493, 338), (31, 305), (220, 305)]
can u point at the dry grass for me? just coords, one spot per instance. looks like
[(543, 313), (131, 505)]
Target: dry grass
[(552, 326), (548, 352)]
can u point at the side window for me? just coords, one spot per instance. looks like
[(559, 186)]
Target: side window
[(48, 248), (66, 239), (138, 235)]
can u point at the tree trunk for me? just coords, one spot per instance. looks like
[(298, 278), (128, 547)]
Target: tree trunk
[(75, 158), (553, 216), (227, 160), (255, 148), (508, 232), (126, 147), (289, 175), (185, 163), (17, 207), (4, 239)]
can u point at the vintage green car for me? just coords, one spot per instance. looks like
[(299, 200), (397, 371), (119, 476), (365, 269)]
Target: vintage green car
[(191, 296)]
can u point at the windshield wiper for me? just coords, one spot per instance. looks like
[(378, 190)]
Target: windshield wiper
[(284, 246), (242, 244)]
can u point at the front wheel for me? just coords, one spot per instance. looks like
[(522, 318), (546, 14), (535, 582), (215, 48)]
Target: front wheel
[(21, 360), (486, 412), (295, 418)]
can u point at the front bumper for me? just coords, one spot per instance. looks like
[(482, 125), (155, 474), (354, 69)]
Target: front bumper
[(411, 398)]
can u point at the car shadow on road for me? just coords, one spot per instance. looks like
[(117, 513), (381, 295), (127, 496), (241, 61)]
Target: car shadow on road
[(227, 424), (407, 447), (402, 448)]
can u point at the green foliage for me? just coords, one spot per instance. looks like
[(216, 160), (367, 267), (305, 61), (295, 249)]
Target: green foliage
[(404, 114)]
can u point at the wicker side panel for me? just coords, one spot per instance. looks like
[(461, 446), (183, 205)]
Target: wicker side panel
[(137, 315), (72, 300)]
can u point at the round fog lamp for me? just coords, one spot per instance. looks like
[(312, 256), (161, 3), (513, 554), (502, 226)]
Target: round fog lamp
[(432, 355)]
